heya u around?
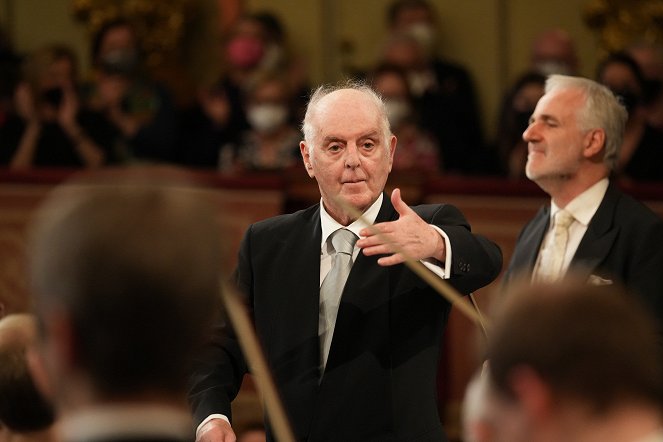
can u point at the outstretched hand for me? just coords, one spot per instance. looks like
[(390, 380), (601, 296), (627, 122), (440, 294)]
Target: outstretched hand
[(410, 235)]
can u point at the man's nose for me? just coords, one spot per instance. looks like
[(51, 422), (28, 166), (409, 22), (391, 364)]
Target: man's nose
[(352, 159), (531, 133)]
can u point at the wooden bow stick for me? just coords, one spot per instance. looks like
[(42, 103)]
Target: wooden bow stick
[(256, 360)]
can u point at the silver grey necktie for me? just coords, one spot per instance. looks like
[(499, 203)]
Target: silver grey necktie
[(331, 289)]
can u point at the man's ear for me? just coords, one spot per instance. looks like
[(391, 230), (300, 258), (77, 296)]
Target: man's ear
[(534, 395), (594, 143), (392, 150), (306, 156)]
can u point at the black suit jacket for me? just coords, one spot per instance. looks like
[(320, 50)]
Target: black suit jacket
[(380, 379), (623, 243)]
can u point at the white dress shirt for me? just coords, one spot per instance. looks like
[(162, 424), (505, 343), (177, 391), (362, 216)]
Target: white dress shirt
[(583, 208)]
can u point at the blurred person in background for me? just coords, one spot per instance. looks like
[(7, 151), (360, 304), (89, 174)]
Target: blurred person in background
[(553, 52), (272, 141), (641, 152), (416, 150), (517, 108), (443, 92), (139, 115), (48, 126)]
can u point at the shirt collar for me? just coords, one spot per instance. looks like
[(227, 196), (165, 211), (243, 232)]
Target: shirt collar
[(330, 225), (584, 206)]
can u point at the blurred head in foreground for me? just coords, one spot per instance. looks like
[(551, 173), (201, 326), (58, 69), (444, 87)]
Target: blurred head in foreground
[(568, 362)]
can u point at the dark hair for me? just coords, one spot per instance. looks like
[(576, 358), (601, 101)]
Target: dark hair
[(399, 6), (22, 408), (626, 60), (100, 34), (592, 344), (135, 267)]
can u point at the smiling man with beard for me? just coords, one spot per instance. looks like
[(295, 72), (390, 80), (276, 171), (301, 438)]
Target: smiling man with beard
[(590, 226)]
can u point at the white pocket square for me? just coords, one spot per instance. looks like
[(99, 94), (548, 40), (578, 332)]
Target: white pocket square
[(597, 280)]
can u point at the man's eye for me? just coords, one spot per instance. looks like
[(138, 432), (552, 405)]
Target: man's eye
[(334, 147), (369, 145)]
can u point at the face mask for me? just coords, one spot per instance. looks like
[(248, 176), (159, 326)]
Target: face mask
[(398, 110), (424, 34), (267, 117), (552, 67), (245, 52), (120, 62)]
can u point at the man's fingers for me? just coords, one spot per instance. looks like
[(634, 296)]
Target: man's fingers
[(401, 207), (391, 260)]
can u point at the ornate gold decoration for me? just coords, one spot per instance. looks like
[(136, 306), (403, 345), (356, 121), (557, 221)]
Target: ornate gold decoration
[(159, 24), (620, 23)]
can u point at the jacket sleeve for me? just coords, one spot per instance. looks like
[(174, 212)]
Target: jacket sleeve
[(221, 366)]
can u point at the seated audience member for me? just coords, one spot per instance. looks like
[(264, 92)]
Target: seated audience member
[(25, 414), (650, 60), (570, 362), (48, 127), (553, 52), (10, 64), (256, 44), (517, 108), (415, 149), (207, 129), (272, 142), (641, 152), (445, 98), (125, 278), (139, 115)]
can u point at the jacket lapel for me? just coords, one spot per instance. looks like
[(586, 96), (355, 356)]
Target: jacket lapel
[(527, 248), (600, 236)]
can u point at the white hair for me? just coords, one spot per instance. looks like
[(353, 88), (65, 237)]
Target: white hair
[(601, 110), (310, 130)]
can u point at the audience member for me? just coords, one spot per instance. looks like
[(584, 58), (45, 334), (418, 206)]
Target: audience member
[(650, 60), (571, 362), (208, 129), (516, 110), (125, 278), (272, 143), (10, 64), (553, 52), (25, 413), (415, 149), (444, 95), (590, 226), (139, 115), (641, 152), (48, 127)]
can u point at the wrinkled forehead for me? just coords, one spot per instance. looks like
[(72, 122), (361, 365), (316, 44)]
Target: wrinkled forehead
[(347, 110)]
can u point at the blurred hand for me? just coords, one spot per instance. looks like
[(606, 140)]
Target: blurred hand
[(215, 105), (24, 101), (112, 89), (216, 430), (409, 234), (68, 108)]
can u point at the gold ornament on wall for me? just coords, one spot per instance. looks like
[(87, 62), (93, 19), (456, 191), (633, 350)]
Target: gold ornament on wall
[(620, 23)]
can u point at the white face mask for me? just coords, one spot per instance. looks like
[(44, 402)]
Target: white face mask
[(398, 110), (424, 34), (551, 67), (267, 117)]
